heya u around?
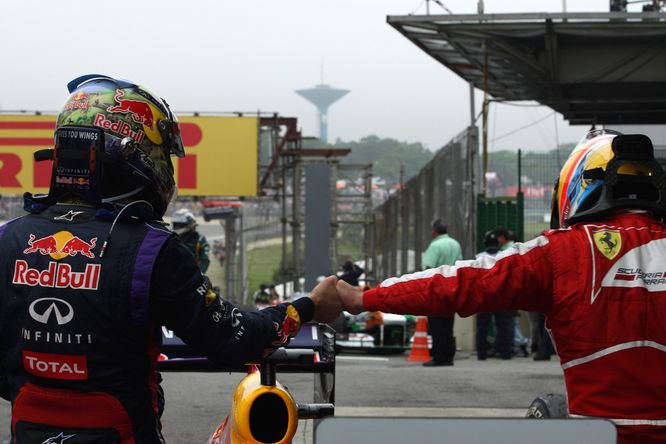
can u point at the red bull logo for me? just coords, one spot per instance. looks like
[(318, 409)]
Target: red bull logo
[(79, 101), (57, 275), (60, 245), (119, 127), (72, 180), (139, 110)]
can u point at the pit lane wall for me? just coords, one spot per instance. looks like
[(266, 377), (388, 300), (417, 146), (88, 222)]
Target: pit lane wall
[(445, 188), (222, 153)]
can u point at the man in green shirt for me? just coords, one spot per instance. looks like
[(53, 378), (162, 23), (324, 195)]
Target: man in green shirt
[(443, 250)]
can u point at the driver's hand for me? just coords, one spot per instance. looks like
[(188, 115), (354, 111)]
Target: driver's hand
[(351, 297), (327, 303)]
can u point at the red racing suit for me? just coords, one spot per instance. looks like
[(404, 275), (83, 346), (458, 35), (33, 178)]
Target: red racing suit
[(602, 287)]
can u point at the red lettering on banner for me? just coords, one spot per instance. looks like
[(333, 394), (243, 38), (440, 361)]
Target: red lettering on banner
[(191, 134), (187, 172), (41, 176), (10, 166), (187, 166), (55, 366), (50, 125), (26, 141)]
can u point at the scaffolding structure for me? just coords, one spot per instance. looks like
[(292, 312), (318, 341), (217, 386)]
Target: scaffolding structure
[(351, 208)]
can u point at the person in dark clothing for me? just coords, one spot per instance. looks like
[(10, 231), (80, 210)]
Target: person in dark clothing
[(185, 226), (503, 319), (542, 346), (350, 273), (92, 273), (262, 296)]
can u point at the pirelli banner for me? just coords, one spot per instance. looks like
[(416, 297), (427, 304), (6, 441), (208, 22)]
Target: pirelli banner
[(221, 155)]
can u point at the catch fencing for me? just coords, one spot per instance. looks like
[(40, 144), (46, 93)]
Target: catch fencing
[(445, 189)]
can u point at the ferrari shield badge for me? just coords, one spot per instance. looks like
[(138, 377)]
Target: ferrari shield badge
[(608, 242)]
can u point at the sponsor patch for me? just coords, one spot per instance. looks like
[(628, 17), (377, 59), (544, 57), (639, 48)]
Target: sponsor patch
[(119, 127), (139, 110), (639, 267), (55, 366), (60, 245), (608, 242), (57, 275), (289, 327), (69, 216), (60, 439), (43, 309), (210, 297)]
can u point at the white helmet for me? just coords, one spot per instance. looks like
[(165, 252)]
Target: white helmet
[(183, 221)]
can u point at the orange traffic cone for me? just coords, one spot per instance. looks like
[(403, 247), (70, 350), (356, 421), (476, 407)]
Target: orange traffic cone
[(419, 351)]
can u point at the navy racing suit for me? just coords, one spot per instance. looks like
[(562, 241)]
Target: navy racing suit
[(81, 312)]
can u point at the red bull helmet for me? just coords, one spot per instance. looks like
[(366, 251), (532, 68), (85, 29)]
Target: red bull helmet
[(139, 132), (605, 172)]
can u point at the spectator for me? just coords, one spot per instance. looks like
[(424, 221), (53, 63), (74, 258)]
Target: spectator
[(443, 250), (350, 273), (503, 318), (261, 296), (185, 226)]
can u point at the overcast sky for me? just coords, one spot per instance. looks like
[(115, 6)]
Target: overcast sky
[(249, 55)]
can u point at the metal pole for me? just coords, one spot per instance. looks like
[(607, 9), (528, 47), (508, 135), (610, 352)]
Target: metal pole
[(472, 105), (296, 225), (283, 221), (485, 117), (230, 259), (333, 244), (242, 258), (520, 164), (368, 248)]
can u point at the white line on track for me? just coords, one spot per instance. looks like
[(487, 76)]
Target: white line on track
[(360, 358)]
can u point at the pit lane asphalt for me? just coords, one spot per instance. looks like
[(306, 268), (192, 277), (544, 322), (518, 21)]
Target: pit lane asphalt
[(366, 385)]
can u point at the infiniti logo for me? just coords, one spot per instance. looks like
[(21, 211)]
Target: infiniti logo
[(41, 310)]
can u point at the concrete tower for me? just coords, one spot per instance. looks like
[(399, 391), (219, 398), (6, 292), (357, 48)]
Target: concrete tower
[(322, 96)]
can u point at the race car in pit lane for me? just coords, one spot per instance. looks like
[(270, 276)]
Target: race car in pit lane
[(374, 332)]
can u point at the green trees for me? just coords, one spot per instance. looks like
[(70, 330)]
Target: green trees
[(387, 155)]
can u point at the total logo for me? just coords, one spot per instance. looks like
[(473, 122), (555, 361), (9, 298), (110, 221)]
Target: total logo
[(55, 366), (60, 245)]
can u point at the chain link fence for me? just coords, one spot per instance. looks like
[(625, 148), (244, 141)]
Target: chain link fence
[(444, 189)]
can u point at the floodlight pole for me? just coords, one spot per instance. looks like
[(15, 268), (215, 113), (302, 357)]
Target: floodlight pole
[(485, 116)]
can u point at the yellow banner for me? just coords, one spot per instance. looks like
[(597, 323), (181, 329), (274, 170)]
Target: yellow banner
[(221, 155)]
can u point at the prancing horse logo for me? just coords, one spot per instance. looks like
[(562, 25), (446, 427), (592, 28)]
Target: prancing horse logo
[(608, 242)]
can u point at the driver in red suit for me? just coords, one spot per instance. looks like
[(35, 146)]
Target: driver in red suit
[(600, 280)]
